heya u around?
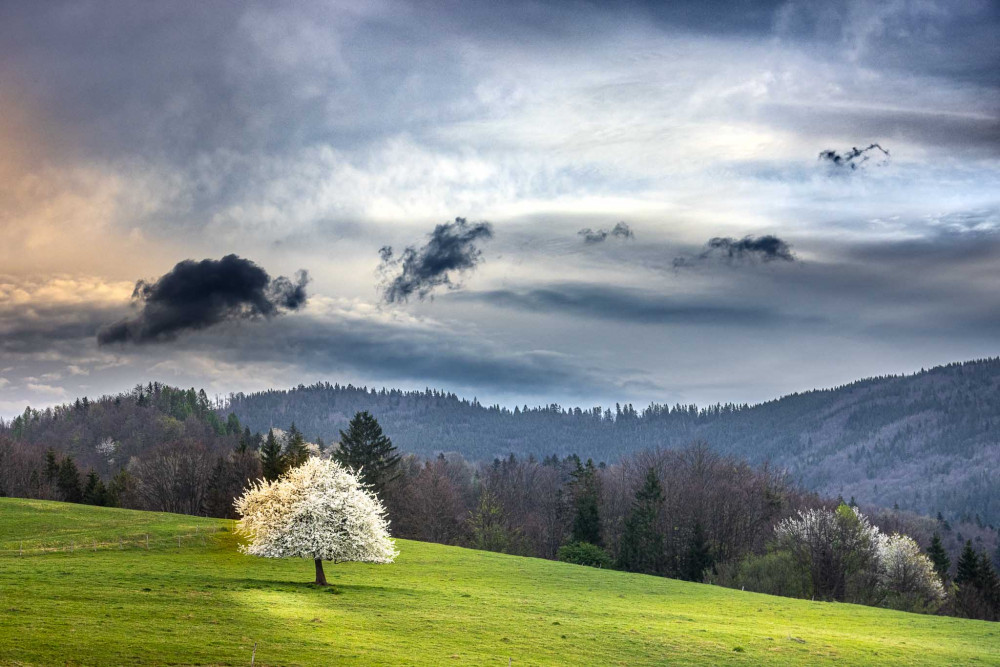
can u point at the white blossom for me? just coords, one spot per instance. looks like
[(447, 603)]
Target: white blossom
[(907, 572), (842, 546), (107, 448), (319, 510)]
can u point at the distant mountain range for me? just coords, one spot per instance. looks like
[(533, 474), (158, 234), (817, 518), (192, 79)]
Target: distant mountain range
[(928, 442)]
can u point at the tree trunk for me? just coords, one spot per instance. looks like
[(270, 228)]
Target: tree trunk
[(320, 577)]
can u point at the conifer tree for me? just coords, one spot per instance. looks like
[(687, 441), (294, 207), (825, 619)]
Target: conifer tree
[(642, 542), (967, 569), (233, 424), (69, 481), (586, 495), (699, 555), (94, 492), (367, 450), (51, 467), (271, 460), (295, 448), (939, 557)]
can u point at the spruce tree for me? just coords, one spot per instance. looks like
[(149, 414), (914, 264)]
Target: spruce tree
[(94, 492), (232, 424), (295, 448), (69, 481), (967, 569), (699, 555), (939, 557), (642, 542), (51, 467), (367, 450), (586, 496), (271, 460)]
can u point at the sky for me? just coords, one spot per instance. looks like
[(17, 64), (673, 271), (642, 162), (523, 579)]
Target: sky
[(531, 202)]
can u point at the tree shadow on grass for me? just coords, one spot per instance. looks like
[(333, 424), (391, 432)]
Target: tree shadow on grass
[(277, 585)]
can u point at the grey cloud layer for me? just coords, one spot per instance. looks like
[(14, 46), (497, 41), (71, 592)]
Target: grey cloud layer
[(629, 305)]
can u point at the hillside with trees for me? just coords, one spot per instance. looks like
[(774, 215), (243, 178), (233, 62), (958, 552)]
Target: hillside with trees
[(688, 512), (927, 442)]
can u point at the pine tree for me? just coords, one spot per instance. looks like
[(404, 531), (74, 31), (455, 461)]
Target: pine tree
[(699, 555), (246, 441), (232, 424), (642, 542), (94, 492), (989, 585), (51, 467), (271, 460), (365, 449), (69, 481), (967, 569), (586, 496), (295, 448), (938, 556)]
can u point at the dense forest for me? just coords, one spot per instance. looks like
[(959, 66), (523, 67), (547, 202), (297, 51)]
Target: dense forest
[(927, 442)]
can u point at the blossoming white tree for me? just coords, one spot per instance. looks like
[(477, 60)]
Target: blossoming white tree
[(908, 575), (318, 510), (849, 558)]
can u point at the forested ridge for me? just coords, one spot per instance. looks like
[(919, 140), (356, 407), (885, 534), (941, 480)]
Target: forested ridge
[(928, 442)]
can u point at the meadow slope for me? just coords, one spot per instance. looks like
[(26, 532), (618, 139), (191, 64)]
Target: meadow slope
[(87, 590)]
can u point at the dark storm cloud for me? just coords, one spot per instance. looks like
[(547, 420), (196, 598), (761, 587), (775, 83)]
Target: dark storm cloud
[(451, 248), (619, 231), (767, 248), (197, 295), (632, 305), (854, 158)]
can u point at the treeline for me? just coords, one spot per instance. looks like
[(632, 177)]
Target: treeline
[(927, 442), (696, 515)]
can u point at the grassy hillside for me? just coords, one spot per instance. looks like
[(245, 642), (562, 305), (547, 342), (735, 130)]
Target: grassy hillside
[(78, 595)]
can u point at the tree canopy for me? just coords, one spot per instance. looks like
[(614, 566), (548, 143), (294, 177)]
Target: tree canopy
[(318, 510)]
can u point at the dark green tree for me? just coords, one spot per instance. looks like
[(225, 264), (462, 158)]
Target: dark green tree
[(364, 448), (232, 424), (295, 448), (586, 498), (699, 555), (51, 467), (271, 460), (967, 569), (94, 491), (69, 481), (642, 542), (939, 557)]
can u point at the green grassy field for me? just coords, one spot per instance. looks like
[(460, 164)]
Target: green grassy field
[(78, 596)]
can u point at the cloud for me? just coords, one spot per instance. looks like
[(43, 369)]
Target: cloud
[(340, 338), (451, 248), (767, 248), (619, 231), (854, 158), (197, 295), (623, 304)]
